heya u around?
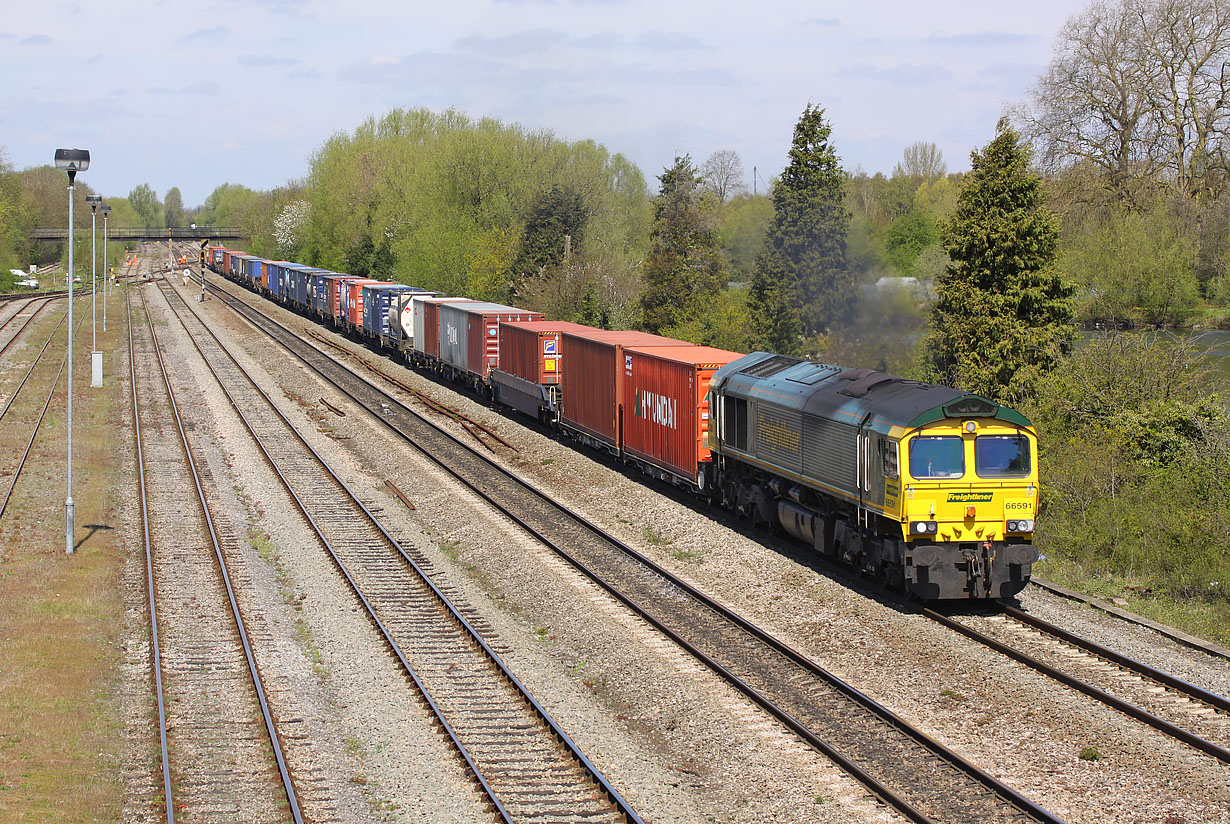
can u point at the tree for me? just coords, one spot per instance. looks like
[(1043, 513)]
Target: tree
[(723, 174), (145, 203), (173, 207), (1134, 266), (908, 236), (745, 219), (288, 227), (685, 268), (924, 162), (1002, 313), (802, 281), (1139, 90), (558, 213), (17, 218)]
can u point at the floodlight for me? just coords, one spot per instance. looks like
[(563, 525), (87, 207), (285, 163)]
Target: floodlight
[(72, 160)]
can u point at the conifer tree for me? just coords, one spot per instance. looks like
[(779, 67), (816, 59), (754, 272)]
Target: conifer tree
[(1002, 314), (558, 212), (685, 268), (801, 283)]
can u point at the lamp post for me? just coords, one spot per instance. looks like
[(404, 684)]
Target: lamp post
[(106, 212), (95, 355), (71, 161)]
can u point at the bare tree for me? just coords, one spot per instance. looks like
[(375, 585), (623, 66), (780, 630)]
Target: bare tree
[(1140, 90), (1187, 47), (923, 161), (723, 174)]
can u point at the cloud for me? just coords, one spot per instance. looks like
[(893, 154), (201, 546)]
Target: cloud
[(440, 71), (990, 39), (906, 74), (668, 76), (35, 40), (524, 42), (823, 21), (210, 33), (207, 87), (302, 74), (600, 41), (669, 41), (266, 60), (1010, 78)]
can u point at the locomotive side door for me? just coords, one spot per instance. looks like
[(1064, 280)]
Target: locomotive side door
[(867, 469)]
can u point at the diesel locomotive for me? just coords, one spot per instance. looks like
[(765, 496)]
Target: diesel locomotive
[(923, 487)]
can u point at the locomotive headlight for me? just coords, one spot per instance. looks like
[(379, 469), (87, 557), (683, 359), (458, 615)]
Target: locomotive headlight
[(1026, 526), (1012, 526), (923, 527)]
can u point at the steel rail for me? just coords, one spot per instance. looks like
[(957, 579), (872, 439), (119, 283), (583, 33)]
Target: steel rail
[(29, 320), (4, 323), (1131, 710), (37, 426), (1139, 667), (168, 799), (253, 669), (1005, 792), (33, 364), (621, 804), (1176, 635)]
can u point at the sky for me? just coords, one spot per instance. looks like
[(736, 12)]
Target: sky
[(198, 94)]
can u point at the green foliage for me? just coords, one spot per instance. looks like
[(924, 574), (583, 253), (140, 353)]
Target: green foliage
[(173, 207), (1002, 314), (558, 213), (366, 259), (1136, 464), (745, 219), (801, 281), (451, 197), (488, 275), (908, 236), (685, 269), (17, 217), (227, 205), (145, 203), (1134, 267)]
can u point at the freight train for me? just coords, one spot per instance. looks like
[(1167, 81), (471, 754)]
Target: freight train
[(930, 490)]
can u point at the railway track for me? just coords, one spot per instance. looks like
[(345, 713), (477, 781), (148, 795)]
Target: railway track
[(35, 425), (900, 764), (14, 329), (522, 760), (1183, 711), (221, 756)]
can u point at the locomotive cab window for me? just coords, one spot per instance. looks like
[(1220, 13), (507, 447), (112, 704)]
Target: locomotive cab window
[(888, 458), (1001, 456), (940, 456)]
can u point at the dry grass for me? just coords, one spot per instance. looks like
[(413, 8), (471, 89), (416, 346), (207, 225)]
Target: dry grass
[(61, 617)]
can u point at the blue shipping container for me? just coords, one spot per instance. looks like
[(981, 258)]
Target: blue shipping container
[(376, 301)]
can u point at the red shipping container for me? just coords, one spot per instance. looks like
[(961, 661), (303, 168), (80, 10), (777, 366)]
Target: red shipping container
[(354, 300), (339, 300), (665, 403), (591, 377), (532, 350), (483, 335)]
